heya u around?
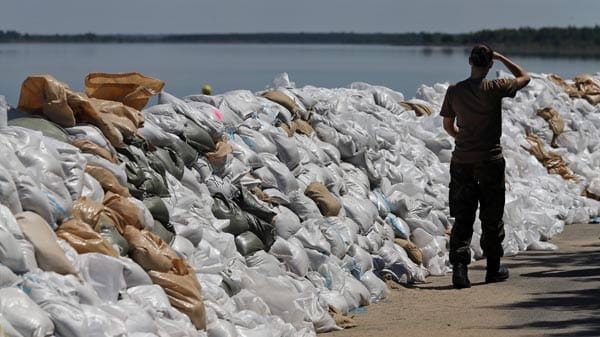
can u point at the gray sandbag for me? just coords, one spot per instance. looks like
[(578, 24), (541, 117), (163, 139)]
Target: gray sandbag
[(248, 243), (185, 151), (286, 222), (160, 230), (46, 127), (7, 277), (112, 236), (165, 117), (251, 204), (162, 160), (158, 209), (265, 231), (303, 206), (224, 208), (217, 185), (361, 211), (198, 138), (292, 254), (286, 181)]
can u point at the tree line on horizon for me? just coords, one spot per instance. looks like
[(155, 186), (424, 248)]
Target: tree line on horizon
[(551, 41)]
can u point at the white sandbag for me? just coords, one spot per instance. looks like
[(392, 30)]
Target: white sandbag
[(265, 263), (91, 133), (10, 247), (6, 329), (23, 314), (310, 236), (182, 246), (286, 222), (287, 151), (66, 313), (73, 165), (377, 288), (7, 277), (102, 323), (165, 117), (150, 296), (361, 211), (144, 214), (256, 141), (92, 189), (117, 170), (104, 273), (8, 192), (292, 254), (286, 181), (133, 274), (304, 206)]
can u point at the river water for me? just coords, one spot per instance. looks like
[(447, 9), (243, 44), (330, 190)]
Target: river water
[(185, 68)]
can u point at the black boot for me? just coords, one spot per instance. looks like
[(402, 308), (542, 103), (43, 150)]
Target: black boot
[(460, 279), (495, 272)]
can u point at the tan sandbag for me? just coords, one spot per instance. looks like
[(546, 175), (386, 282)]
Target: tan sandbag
[(43, 94), (413, 252), (570, 89), (126, 211), (302, 126), (131, 89), (327, 203), (557, 124), (184, 291), (553, 162), (96, 215), (289, 129), (149, 250), (90, 147), (589, 88), (220, 154), (282, 99), (84, 239), (108, 181), (48, 254), (419, 109), (341, 320)]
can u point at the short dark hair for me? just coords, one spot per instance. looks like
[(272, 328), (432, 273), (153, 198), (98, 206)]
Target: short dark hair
[(481, 55)]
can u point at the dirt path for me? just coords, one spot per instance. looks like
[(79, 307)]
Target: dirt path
[(548, 294)]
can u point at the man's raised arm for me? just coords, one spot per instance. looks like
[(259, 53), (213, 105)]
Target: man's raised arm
[(522, 76)]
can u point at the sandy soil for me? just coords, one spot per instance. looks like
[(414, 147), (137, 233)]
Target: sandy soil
[(548, 294)]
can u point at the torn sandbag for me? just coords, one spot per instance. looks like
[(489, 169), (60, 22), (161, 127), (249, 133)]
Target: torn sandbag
[(131, 89)]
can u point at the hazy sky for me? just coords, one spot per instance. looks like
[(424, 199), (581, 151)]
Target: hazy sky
[(214, 16)]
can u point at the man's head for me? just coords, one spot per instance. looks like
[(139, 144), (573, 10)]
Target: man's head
[(481, 56)]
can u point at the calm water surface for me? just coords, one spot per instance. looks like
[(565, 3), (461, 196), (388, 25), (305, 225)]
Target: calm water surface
[(186, 67)]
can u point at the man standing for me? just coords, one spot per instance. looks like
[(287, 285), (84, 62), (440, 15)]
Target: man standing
[(472, 112)]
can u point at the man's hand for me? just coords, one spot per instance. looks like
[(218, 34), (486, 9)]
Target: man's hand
[(450, 127)]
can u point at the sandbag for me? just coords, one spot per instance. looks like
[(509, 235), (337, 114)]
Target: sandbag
[(90, 147), (10, 248), (131, 89), (48, 253), (46, 127), (104, 274), (286, 222), (8, 192), (160, 230), (84, 239), (184, 292), (248, 243), (23, 314), (223, 208), (108, 181), (251, 204), (292, 254), (414, 253), (110, 234), (263, 230), (158, 209), (327, 203), (149, 250), (198, 138), (43, 94), (282, 99), (303, 206), (127, 213)]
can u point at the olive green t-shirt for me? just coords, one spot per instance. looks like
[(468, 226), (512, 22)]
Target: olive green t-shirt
[(477, 106)]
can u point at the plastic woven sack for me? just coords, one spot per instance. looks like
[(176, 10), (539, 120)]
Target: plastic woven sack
[(84, 239)]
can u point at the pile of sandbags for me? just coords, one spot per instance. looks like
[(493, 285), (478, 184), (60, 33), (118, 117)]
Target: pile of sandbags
[(269, 213)]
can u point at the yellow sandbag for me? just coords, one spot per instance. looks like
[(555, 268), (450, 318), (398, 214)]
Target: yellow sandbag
[(184, 291), (557, 124), (418, 108), (149, 250), (220, 154), (84, 239), (132, 89), (302, 126), (43, 94), (97, 215), (48, 254)]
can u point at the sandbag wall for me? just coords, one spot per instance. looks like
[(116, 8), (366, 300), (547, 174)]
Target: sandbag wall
[(281, 204)]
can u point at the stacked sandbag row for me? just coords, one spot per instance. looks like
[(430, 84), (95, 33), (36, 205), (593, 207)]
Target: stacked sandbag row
[(286, 204)]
